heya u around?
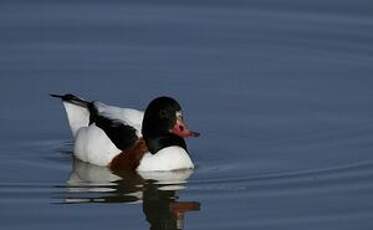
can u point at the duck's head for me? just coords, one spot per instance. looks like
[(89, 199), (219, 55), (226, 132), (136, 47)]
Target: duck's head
[(164, 125)]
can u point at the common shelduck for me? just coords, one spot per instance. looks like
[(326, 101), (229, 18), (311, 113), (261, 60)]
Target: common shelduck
[(129, 139)]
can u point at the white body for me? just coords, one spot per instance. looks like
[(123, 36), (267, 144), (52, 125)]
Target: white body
[(92, 145), (170, 158)]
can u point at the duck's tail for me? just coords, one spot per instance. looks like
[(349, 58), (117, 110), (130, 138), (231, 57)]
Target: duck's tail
[(77, 110)]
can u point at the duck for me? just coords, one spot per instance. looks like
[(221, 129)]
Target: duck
[(127, 138)]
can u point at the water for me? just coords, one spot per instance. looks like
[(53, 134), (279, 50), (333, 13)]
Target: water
[(280, 90)]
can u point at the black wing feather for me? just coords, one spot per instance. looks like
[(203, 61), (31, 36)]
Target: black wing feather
[(123, 136)]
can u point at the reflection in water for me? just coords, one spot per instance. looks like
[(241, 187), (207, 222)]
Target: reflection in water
[(155, 190)]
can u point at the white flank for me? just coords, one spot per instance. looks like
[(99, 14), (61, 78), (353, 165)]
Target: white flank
[(94, 146)]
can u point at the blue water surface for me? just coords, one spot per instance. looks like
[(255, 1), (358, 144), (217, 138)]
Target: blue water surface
[(280, 90)]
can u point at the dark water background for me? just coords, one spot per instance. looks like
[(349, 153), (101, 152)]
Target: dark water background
[(280, 90)]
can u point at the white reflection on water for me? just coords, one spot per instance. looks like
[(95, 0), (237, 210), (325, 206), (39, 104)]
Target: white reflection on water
[(157, 191)]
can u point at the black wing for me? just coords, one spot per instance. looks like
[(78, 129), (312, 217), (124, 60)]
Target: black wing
[(122, 135)]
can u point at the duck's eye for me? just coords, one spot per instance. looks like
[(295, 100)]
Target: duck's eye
[(163, 114)]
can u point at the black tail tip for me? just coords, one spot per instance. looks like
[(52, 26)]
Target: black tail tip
[(70, 98), (56, 95)]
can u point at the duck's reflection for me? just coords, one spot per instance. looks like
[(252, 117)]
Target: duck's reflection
[(157, 191)]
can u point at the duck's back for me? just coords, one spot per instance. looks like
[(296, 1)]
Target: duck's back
[(129, 116)]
